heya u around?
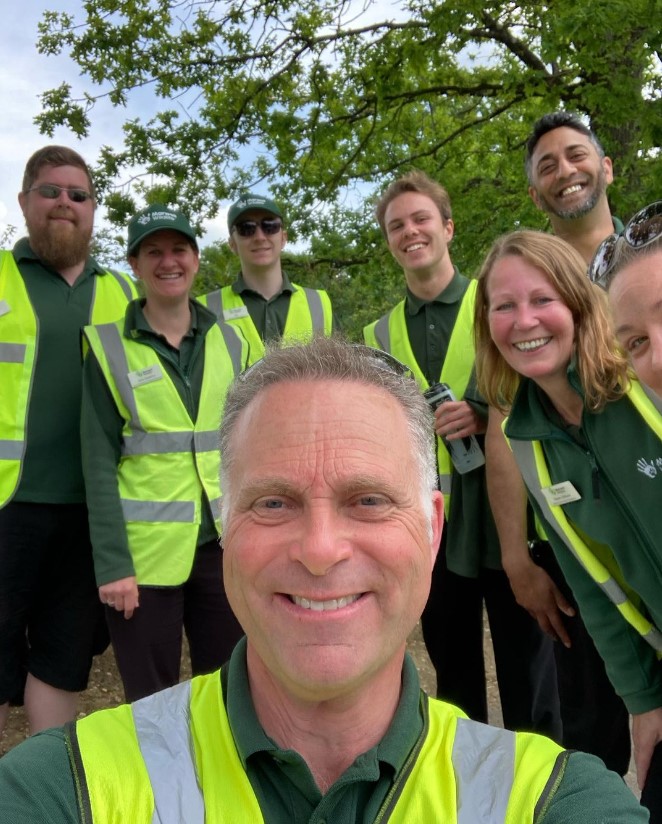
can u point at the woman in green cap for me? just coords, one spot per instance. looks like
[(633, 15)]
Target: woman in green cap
[(154, 385)]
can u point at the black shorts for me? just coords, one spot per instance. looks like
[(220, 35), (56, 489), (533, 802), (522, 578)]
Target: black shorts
[(49, 607)]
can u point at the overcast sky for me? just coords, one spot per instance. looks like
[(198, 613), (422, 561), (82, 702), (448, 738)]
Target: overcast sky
[(24, 74)]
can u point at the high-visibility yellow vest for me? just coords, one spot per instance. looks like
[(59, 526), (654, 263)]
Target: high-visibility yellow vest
[(390, 334), (309, 312), (19, 340), (533, 467), (171, 757), (167, 460)]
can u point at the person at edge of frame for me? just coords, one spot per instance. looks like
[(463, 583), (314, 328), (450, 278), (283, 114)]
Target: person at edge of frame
[(51, 622)]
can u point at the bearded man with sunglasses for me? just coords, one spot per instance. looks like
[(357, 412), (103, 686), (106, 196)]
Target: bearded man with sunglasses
[(50, 287), (568, 174), (262, 301)]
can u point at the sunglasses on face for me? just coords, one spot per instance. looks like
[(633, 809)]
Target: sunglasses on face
[(51, 192), (269, 226), (642, 229)]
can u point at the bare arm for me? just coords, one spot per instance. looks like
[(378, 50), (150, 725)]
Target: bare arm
[(533, 588)]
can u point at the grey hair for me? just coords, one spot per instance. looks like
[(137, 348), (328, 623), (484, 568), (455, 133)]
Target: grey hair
[(324, 359)]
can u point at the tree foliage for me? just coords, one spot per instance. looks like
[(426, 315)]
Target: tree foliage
[(323, 103)]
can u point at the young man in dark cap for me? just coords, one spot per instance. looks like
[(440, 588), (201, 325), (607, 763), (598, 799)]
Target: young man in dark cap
[(262, 301)]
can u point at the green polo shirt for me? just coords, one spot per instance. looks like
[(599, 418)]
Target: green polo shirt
[(281, 779), (52, 471), (430, 325), (268, 314), (472, 542), (101, 435), (37, 785)]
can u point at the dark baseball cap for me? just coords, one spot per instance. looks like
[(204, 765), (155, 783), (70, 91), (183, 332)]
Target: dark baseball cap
[(248, 202), (155, 218)]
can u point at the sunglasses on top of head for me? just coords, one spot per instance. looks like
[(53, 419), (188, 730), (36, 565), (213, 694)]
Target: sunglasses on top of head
[(50, 191), (269, 226), (642, 229)]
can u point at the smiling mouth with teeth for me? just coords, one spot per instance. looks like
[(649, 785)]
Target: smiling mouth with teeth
[(571, 190), (324, 606), (528, 345)]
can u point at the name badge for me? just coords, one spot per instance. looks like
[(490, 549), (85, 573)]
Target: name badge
[(5, 308), (142, 376), (235, 313), (563, 493)]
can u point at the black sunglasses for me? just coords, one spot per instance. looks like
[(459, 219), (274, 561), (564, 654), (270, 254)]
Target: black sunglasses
[(269, 226), (642, 229), (51, 192)]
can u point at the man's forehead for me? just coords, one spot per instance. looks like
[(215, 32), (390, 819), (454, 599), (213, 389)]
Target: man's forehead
[(560, 140), (48, 169), (317, 399), (409, 202)]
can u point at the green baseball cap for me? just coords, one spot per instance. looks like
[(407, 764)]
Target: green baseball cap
[(155, 218), (250, 201)]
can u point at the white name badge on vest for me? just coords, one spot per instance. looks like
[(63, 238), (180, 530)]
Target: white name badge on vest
[(235, 313), (5, 309), (148, 375), (563, 493)]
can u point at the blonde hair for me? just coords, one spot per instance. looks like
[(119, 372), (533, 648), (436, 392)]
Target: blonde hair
[(602, 368)]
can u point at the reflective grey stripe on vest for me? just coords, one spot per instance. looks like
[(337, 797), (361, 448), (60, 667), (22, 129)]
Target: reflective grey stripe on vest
[(445, 484), (12, 352), (122, 280), (172, 512), (526, 460), (206, 441), (11, 450), (315, 308), (484, 764), (383, 333), (232, 341), (109, 335), (655, 399), (215, 303), (157, 443), (215, 506), (160, 443), (163, 729)]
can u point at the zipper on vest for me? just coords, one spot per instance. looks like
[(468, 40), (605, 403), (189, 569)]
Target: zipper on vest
[(595, 476)]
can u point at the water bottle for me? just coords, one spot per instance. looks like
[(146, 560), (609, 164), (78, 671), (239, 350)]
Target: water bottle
[(465, 453)]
